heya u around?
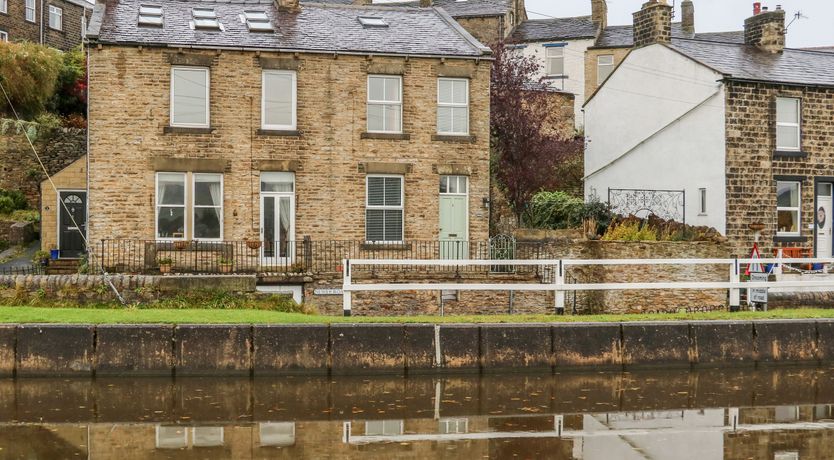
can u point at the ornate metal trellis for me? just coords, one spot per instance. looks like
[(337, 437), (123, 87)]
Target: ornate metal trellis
[(502, 247), (666, 204)]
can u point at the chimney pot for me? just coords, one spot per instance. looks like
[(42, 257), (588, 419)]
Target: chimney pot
[(766, 31), (288, 5), (425, 3), (757, 8), (653, 23)]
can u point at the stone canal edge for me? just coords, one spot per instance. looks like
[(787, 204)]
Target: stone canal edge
[(63, 350)]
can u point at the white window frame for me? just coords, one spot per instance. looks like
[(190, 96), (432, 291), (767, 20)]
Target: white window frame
[(600, 65), (797, 208), (4, 36), (58, 13), (548, 58), (797, 126), (371, 102), (30, 11), (208, 100), (195, 206), (4, 6), (457, 177), (184, 207), (401, 208), (181, 445), (453, 105), (398, 425), (292, 126), (702, 201), (198, 431)]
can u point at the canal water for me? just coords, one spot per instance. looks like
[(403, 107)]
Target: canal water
[(784, 413)]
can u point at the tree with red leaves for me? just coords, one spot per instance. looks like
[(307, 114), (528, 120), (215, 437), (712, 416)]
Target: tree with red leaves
[(526, 149)]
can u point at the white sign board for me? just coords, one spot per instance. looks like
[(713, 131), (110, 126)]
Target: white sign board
[(327, 291), (758, 295)]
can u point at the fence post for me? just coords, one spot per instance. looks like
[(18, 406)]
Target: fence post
[(559, 293), (308, 253), (735, 293), (346, 294)]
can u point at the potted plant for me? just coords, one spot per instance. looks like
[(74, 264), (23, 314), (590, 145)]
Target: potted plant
[(41, 258), (165, 265), (253, 240), (226, 265), (54, 253)]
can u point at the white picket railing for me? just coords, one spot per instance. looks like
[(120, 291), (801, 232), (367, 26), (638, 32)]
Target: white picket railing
[(559, 287)]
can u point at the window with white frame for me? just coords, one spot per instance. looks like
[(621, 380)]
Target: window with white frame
[(30, 10), (190, 97), (384, 428), (384, 209), (170, 206), (171, 437), (788, 207), (4, 6), (207, 436), (555, 61), (702, 201), (453, 426), (56, 18), (452, 106), (4, 36), (788, 133), (207, 213), (277, 434), (278, 101), (385, 105), (605, 65)]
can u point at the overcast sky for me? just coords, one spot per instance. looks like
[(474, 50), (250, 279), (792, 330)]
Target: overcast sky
[(816, 28)]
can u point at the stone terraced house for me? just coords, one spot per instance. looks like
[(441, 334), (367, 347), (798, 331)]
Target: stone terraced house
[(721, 134), (57, 23), (216, 122)]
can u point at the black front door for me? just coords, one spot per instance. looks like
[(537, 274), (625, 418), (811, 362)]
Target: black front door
[(72, 223)]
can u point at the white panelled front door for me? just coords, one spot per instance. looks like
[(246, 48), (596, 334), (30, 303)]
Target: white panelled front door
[(822, 219), (454, 217), (277, 217)]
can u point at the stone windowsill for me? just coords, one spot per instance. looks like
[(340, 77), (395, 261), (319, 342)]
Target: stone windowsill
[(790, 239), (557, 77), (185, 130), (387, 136), (279, 132), (385, 246), (789, 154), (453, 138)]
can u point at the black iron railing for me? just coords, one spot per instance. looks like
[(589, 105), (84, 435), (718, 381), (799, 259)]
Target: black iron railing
[(22, 270), (298, 257)]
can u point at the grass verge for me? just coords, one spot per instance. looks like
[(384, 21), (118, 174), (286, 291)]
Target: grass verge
[(206, 316)]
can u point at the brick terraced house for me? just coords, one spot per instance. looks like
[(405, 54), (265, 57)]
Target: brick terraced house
[(57, 23), (216, 122), (739, 133)]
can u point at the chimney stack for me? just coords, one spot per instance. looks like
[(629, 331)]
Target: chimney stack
[(288, 5), (688, 17), (599, 13), (757, 8), (425, 3), (653, 23), (766, 30)]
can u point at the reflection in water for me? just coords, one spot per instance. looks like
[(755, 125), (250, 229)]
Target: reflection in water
[(779, 414)]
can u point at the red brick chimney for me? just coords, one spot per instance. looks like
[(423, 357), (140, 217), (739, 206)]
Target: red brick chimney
[(653, 23), (766, 30)]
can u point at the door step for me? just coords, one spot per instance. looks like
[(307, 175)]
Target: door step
[(62, 267)]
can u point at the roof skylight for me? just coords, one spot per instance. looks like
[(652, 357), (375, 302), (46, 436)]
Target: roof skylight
[(368, 21), (205, 18), (257, 21), (150, 15)]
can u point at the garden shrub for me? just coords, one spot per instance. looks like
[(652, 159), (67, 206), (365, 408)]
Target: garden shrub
[(29, 72), (630, 230), (6, 205), (555, 210), (12, 200)]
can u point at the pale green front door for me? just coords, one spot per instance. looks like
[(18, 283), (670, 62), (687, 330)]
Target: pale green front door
[(454, 210)]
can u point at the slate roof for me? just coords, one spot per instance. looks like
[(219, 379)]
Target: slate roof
[(743, 62), (623, 36), (316, 28), (537, 30), (455, 8)]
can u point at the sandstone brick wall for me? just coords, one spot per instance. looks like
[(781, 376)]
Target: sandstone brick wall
[(19, 29), (19, 168), (591, 57), (129, 109), (487, 29), (73, 177), (752, 165)]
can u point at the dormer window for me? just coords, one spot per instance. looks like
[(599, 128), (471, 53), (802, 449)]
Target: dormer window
[(150, 15), (368, 21), (205, 18), (257, 21)]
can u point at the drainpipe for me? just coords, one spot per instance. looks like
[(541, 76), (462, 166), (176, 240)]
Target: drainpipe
[(41, 21)]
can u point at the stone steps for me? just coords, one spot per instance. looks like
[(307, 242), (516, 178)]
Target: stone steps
[(62, 267)]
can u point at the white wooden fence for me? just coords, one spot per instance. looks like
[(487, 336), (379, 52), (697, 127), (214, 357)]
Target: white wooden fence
[(559, 287)]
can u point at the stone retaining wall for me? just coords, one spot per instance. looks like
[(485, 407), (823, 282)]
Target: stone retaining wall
[(17, 233), (33, 349)]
